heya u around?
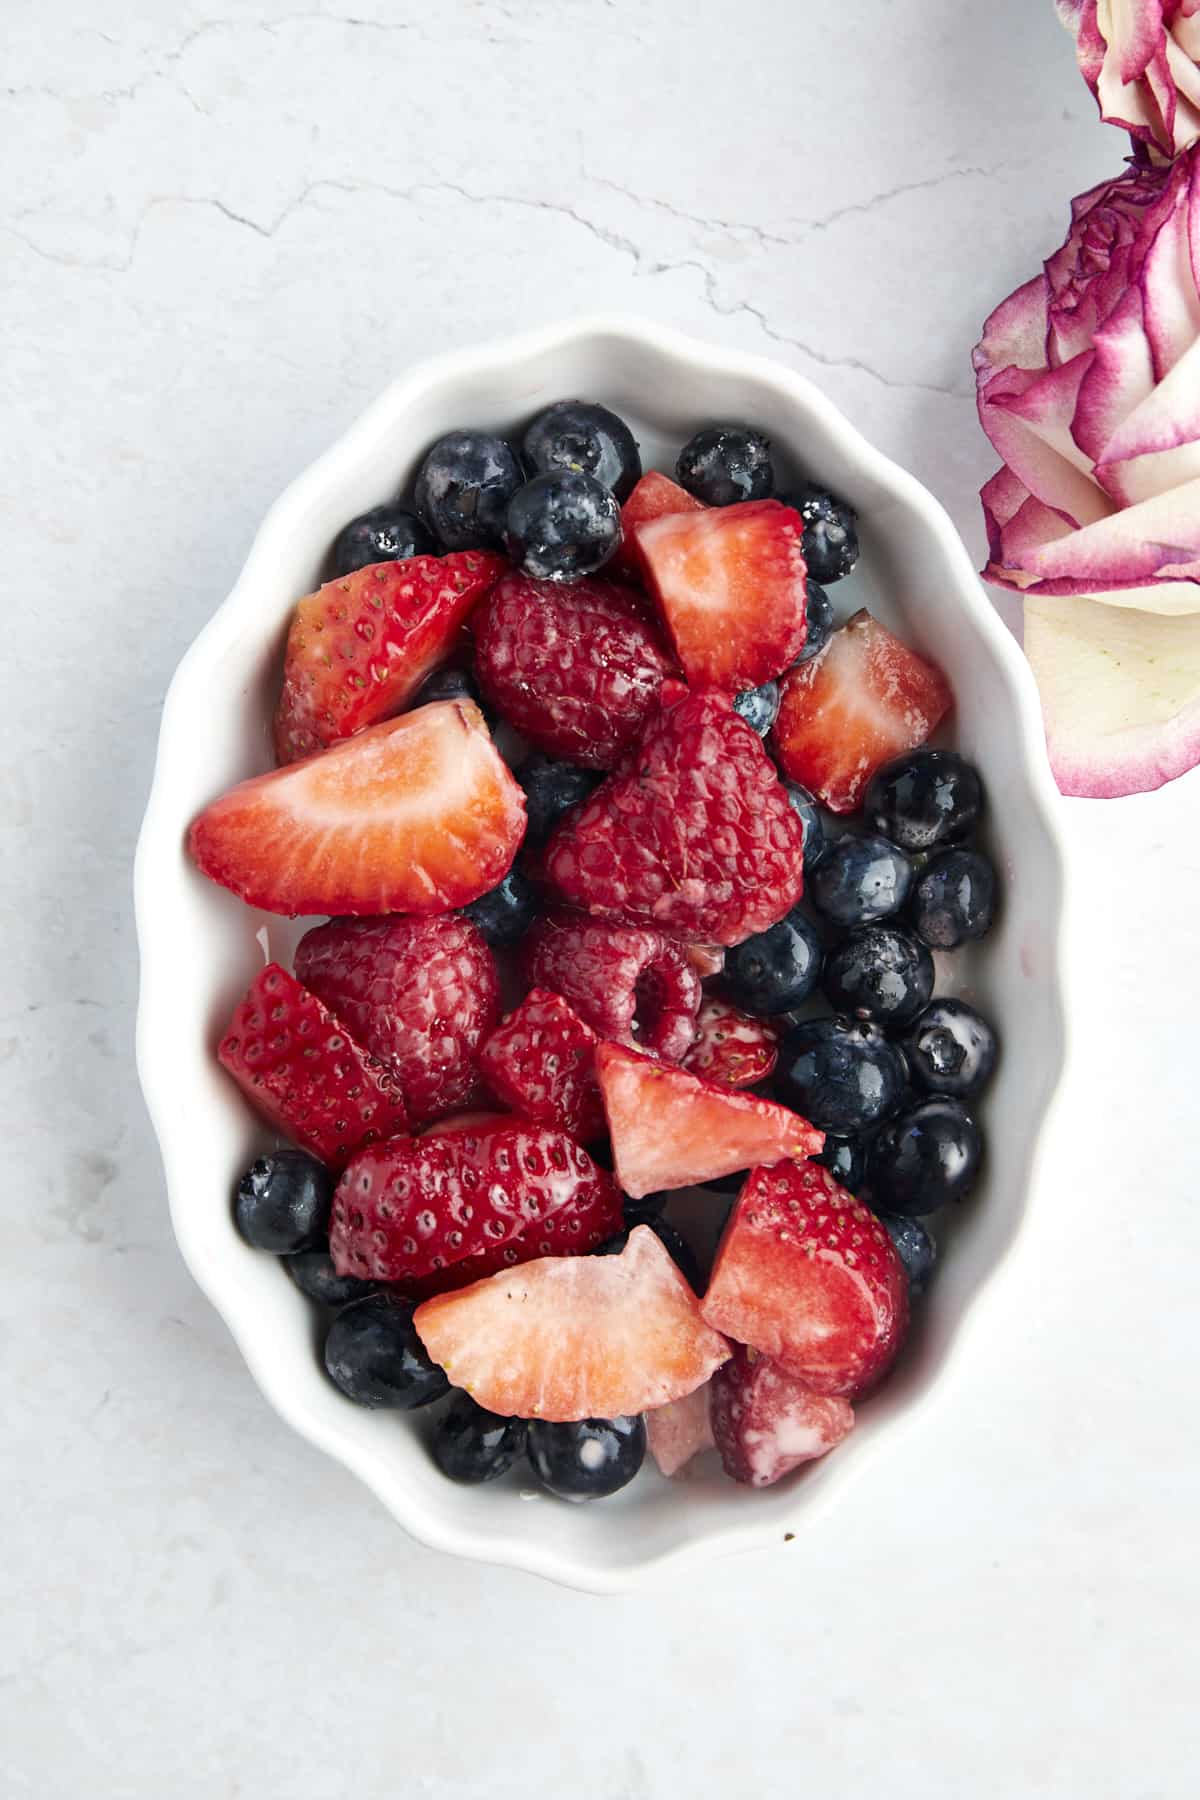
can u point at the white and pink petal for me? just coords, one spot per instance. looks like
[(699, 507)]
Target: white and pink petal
[(1120, 694)]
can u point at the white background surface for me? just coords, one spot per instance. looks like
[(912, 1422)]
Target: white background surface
[(222, 235)]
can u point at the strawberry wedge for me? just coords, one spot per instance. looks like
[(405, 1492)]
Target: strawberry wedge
[(807, 1276), (487, 1197), (359, 648), (670, 1129), (576, 1337), (417, 815), (730, 583), (765, 1424), (299, 1067), (862, 700), (654, 497)]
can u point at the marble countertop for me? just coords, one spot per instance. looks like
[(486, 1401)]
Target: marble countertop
[(222, 236)]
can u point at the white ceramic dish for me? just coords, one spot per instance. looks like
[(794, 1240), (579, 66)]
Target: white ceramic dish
[(200, 947)]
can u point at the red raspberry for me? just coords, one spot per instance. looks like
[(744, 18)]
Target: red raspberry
[(542, 1062), (575, 666), (421, 994), (693, 834), (631, 985)]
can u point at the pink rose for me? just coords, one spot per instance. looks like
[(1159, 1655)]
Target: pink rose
[(1089, 388), (1141, 59)]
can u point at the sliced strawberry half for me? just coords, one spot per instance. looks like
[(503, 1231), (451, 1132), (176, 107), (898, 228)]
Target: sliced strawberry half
[(863, 699), (730, 582), (360, 647), (302, 1070), (671, 1129), (681, 1430), (492, 1197), (417, 815), (808, 1276), (541, 1060), (654, 497), (765, 1423), (577, 1337), (731, 1047)]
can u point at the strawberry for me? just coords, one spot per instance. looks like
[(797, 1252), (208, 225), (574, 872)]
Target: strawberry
[(298, 1065), (765, 1423), (484, 1199), (654, 496), (731, 1047), (421, 994), (627, 983), (359, 648), (417, 815), (578, 1337), (863, 699), (730, 584), (575, 666), (681, 1429), (673, 1130), (542, 1062), (809, 1277), (693, 834)]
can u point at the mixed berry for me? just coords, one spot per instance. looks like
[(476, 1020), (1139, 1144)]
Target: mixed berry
[(634, 864)]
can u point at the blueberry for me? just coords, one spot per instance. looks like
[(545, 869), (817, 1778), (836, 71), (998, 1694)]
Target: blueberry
[(551, 789), (927, 1156), (645, 1210), (464, 487), (675, 1244), (879, 972), (282, 1202), (840, 1073), (924, 799), (830, 533), (561, 525), (775, 970), (385, 534), (916, 1249), (862, 880), (758, 706), (471, 1445), (954, 899), (579, 435), (506, 912), (375, 1356), (314, 1274), (819, 614), (846, 1160), (587, 1460), (951, 1049), (726, 463), (448, 684), (816, 844)]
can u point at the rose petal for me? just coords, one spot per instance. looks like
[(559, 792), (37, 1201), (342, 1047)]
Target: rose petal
[(1120, 377), (1002, 497), (1031, 526), (1122, 550), (1015, 334), (1028, 418), (1169, 297), (1120, 694)]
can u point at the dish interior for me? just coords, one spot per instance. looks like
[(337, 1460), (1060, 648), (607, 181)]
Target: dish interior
[(201, 946)]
